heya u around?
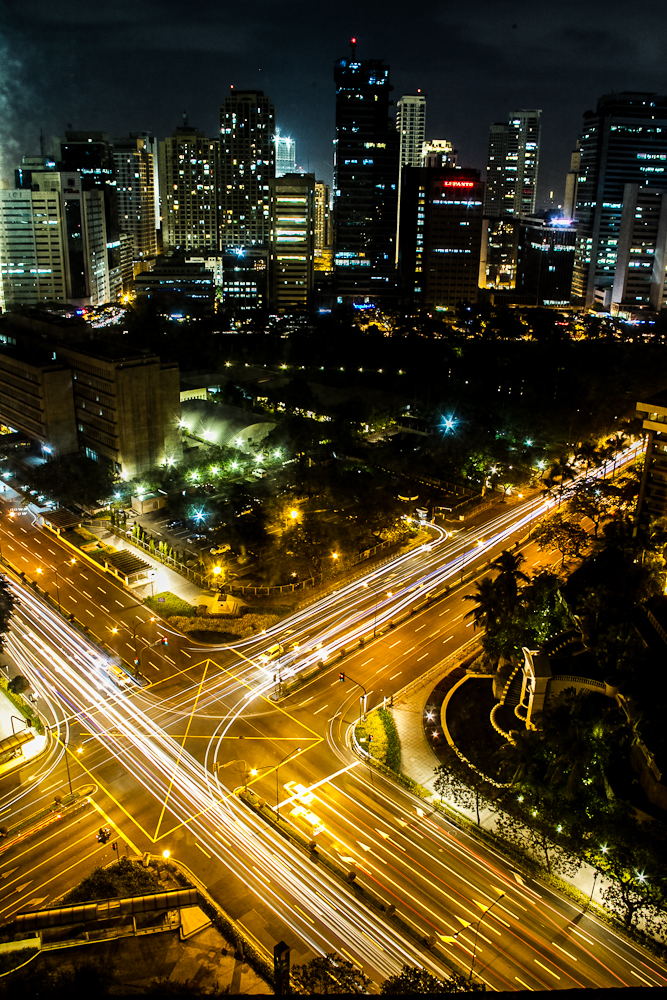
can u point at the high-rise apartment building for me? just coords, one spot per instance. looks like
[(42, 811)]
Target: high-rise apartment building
[(285, 154), (639, 276), (437, 153), (247, 166), (624, 142), (366, 167), (292, 241), (511, 174), (34, 266), (572, 184), (189, 183), (134, 171), (411, 128), (441, 236), (323, 238)]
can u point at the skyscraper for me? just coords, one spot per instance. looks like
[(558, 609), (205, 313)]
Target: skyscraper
[(511, 175), (366, 168), (292, 241), (639, 276), (323, 249), (441, 235), (33, 248), (624, 142), (189, 172), (247, 165), (438, 153), (572, 184), (285, 154), (134, 170), (411, 128)]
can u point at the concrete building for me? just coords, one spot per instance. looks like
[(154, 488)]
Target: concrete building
[(125, 404), (513, 162), (285, 154), (437, 153), (34, 266), (572, 184), (291, 262), (653, 490), (189, 184), (135, 193), (177, 288), (639, 276), (411, 128), (545, 261), (247, 166), (36, 398), (323, 234), (366, 167), (441, 236), (624, 141)]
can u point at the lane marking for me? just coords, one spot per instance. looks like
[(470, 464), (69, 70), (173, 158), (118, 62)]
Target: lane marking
[(395, 675), (564, 951), (89, 596), (186, 654), (105, 609), (102, 589), (409, 650), (525, 985), (546, 969), (202, 850), (120, 603), (434, 634), (422, 657), (397, 643), (368, 661), (306, 701), (447, 640), (321, 709), (89, 612), (421, 627)]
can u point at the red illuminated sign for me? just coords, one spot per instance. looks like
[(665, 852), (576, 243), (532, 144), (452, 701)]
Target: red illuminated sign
[(458, 184)]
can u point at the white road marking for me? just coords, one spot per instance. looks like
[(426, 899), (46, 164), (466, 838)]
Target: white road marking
[(89, 596), (395, 643), (320, 709), (186, 654), (89, 612), (306, 701), (395, 675), (564, 952), (120, 603), (422, 657), (368, 661), (409, 650), (102, 589), (447, 640), (105, 609), (421, 627)]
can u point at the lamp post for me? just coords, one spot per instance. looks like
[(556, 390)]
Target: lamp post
[(247, 771), (67, 562), (66, 749), (466, 924), (298, 750)]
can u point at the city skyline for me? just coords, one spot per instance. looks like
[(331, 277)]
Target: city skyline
[(472, 68)]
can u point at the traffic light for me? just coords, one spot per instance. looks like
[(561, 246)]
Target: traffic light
[(136, 661), (370, 737), (103, 835), (164, 640), (114, 846), (341, 677)]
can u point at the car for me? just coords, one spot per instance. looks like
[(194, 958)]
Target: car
[(219, 550), (174, 524), (300, 792), (308, 819), (117, 675)]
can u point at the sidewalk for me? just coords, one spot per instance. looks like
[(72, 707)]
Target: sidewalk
[(9, 712)]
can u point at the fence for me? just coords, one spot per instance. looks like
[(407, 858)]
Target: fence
[(155, 553)]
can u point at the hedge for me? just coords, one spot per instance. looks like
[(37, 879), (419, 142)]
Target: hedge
[(168, 604), (385, 745)]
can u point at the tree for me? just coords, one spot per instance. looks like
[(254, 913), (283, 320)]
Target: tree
[(72, 479), (489, 609), (329, 974), (559, 532), (411, 979), (18, 684), (587, 499), (510, 575), (451, 783)]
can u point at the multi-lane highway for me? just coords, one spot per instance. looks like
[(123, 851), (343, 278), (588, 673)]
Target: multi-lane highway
[(166, 756)]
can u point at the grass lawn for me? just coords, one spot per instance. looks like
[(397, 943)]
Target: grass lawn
[(168, 605)]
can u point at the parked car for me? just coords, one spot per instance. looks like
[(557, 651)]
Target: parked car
[(174, 524), (219, 550)]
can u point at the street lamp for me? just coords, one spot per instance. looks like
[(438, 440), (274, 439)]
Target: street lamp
[(298, 750), (247, 772), (79, 750), (468, 923), (67, 562)]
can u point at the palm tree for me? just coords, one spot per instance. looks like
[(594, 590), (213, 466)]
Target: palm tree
[(589, 453), (489, 609), (561, 469), (509, 576)]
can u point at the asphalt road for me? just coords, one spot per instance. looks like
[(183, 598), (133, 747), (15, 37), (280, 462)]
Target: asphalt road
[(153, 756)]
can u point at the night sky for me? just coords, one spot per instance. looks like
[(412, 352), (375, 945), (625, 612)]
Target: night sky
[(125, 65)]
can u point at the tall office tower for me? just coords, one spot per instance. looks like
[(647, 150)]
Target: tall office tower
[(323, 246), (639, 277), (366, 168), (189, 182), (151, 145), (285, 154), (292, 241), (624, 142), (247, 165), (545, 261), (511, 175), (134, 168), (441, 236), (437, 153), (411, 128), (86, 234), (572, 183), (33, 248)]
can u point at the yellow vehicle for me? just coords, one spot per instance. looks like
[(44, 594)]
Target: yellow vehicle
[(307, 820)]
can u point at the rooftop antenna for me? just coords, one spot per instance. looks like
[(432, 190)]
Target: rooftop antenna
[(42, 143), (353, 47), (185, 119)]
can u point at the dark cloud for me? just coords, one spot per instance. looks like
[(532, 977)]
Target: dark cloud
[(125, 65)]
